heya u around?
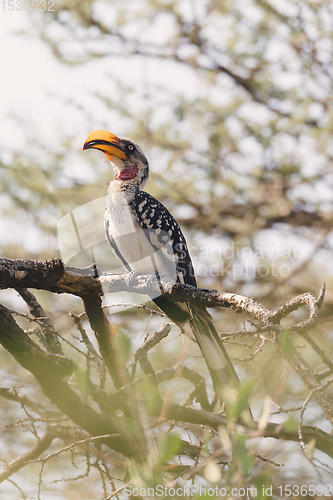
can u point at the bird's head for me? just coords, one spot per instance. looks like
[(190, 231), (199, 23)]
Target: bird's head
[(127, 158)]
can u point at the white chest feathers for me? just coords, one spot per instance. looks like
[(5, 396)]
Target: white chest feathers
[(119, 214), (133, 242)]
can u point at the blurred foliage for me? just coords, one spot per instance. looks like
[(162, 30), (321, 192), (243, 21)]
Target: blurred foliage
[(232, 104)]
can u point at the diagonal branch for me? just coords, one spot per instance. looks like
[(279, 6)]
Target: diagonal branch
[(18, 463), (52, 276), (307, 375), (50, 335), (45, 370), (324, 440)]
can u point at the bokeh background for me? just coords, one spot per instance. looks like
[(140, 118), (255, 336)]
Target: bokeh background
[(232, 103)]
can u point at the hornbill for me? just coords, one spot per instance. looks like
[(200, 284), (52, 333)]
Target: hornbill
[(146, 239)]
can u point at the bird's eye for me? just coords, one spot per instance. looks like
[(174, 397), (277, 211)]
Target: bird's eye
[(130, 147)]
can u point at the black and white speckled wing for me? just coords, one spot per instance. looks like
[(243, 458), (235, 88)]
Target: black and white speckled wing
[(164, 234)]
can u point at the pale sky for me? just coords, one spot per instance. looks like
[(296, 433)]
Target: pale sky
[(37, 90), (32, 81), (43, 98)]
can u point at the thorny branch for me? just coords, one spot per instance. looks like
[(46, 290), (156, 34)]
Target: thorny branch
[(17, 464), (54, 277)]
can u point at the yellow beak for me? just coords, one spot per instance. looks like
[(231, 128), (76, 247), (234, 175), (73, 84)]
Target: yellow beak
[(106, 142)]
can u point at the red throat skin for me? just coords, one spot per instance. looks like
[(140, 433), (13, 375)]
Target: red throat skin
[(126, 174)]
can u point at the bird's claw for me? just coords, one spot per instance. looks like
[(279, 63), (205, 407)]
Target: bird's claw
[(152, 279), (130, 278), (161, 279)]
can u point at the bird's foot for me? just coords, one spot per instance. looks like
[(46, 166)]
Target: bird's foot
[(130, 279), (152, 279), (163, 281)]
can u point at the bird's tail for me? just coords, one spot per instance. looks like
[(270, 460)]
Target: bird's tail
[(225, 380)]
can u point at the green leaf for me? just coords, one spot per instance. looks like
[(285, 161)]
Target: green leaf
[(240, 457), (149, 395), (237, 400), (82, 380), (287, 344), (123, 347), (168, 446), (291, 424)]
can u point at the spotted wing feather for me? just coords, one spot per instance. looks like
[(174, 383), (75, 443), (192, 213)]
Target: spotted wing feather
[(164, 233)]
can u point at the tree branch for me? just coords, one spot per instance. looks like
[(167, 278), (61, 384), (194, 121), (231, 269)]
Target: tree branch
[(324, 441), (45, 370), (50, 335), (18, 463), (53, 276)]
